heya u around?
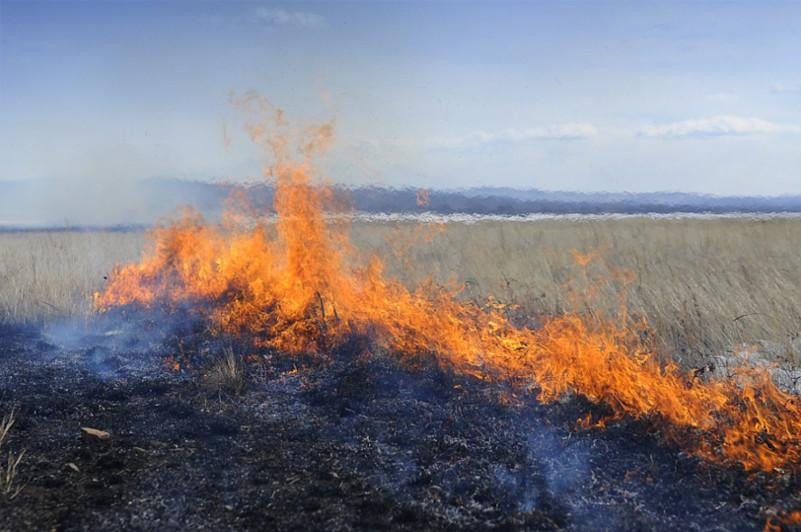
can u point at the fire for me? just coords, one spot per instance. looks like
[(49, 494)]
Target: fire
[(789, 520), (298, 286)]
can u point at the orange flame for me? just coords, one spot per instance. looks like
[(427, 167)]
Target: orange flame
[(300, 287), (789, 520)]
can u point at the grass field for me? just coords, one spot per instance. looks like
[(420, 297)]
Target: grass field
[(706, 286)]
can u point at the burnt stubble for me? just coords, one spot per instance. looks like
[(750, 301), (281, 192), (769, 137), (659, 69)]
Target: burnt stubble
[(348, 441)]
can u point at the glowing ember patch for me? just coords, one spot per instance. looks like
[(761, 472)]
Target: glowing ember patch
[(789, 520)]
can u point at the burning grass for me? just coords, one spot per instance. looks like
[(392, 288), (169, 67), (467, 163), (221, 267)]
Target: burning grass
[(705, 286), (305, 290), (299, 287)]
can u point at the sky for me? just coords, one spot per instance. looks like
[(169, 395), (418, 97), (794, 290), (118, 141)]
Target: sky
[(584, 96)]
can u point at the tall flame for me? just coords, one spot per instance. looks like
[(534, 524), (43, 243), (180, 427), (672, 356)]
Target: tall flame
[(298, 286)]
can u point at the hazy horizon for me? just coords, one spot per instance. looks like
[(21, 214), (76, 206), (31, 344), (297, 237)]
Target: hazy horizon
[(256, 181), (102, 203)]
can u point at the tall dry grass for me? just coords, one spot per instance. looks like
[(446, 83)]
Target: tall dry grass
[(705, 286), (46, 274)]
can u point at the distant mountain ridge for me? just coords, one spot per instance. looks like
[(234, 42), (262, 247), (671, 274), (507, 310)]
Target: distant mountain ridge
[(54, 203)]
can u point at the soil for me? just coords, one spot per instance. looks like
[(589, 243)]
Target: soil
[(354, 442)]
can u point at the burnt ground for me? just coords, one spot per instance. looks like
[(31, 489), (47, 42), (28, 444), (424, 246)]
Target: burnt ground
[(353, 443)]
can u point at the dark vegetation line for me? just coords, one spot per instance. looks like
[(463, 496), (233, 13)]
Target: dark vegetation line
[(38, 205)]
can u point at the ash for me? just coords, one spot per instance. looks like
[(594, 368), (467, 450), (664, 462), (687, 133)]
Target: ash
[(346, 441)]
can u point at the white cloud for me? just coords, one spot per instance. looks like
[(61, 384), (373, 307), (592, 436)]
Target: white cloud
[(517, 135), (780, 88), (282, 17), (717, 126)]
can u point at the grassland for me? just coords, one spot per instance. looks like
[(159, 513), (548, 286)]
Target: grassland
[(54, 273), (705, 286)]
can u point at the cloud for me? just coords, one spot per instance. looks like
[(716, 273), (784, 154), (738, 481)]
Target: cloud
[(282, 17), (716, 126), (517, 135), (782, 88)]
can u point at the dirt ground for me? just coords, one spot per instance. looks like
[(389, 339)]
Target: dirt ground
[(353, 443)]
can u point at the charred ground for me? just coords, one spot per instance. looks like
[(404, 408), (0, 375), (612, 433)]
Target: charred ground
[(352, 442)]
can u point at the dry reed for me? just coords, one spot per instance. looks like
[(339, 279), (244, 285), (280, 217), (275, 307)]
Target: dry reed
[(705, 286)]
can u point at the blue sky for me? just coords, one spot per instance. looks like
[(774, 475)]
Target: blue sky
[(637, 96)]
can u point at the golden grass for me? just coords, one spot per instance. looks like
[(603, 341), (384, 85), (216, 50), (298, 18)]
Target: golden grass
[(45, 274), (9, 486), (705, 286), (226, 374)]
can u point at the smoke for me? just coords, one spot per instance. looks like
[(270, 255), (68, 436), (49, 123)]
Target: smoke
[(115, 197), (101, 202), (125, 343)]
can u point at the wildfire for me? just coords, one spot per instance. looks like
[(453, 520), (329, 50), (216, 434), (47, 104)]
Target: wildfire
[(298, 286)]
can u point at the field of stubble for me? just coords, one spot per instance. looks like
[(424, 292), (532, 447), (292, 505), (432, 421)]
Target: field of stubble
[(706, 286)]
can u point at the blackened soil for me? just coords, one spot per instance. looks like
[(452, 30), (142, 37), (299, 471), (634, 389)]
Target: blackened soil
[(351, 444)]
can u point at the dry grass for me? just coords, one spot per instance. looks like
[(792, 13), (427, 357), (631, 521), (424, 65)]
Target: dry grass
[(226, 374), (9, 487), (45, 274), (704, 285)]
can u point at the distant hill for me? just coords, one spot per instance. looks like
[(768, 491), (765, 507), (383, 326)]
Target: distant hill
[(54, 203)]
